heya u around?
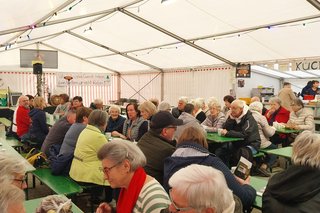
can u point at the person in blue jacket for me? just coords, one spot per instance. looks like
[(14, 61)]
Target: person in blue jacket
[(192, 148)]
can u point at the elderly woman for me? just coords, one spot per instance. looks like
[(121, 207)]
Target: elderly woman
[(134, 126), (64, 105), (115, 121), (122, 164), (12, 171), (147, 110), (297, 189), (39, 128), (192, 148), (279, 114), (199, 114), (216, 119), (265, 132), (198, 188), (300, 118), (11, 199), (85, 164)]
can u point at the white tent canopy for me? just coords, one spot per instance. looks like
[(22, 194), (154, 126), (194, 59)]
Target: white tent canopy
[(124, 36)]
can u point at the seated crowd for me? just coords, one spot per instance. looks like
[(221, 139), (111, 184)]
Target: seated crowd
[(171, 167)]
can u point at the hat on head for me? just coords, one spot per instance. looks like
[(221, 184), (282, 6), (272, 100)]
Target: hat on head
[(163, 119)]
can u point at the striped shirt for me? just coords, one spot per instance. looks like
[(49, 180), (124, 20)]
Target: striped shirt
[(152, 198)]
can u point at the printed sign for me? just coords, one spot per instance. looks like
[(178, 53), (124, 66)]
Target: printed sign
[(85, 79)]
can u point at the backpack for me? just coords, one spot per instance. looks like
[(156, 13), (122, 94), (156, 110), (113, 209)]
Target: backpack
[(36, 158)]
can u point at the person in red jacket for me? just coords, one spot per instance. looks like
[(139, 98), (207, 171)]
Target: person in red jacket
[(279, 114), (22, 118)]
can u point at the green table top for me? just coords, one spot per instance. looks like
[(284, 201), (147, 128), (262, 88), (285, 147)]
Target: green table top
[(5, 122), (214, 137), (8, 149), (259, 185), (287, 131), (59, 184), (31, 206), (284, 152)]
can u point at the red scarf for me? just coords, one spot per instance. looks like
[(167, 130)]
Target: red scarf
[(128, 197)]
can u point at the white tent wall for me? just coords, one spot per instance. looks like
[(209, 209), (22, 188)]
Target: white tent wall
[(193, 83), (255, 81)]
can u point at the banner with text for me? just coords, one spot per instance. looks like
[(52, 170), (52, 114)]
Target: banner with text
[(306, 65), (85, 79)]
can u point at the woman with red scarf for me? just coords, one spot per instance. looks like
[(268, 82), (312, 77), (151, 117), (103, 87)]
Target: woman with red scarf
[(122, 165)]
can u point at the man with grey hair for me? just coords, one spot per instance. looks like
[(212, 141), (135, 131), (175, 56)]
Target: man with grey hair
[(97, 104), (297, 189), (198, 188), (241, 124), (21, 119), (176, 112)]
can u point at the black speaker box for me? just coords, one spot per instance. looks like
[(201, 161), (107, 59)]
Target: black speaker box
[(37, 68)]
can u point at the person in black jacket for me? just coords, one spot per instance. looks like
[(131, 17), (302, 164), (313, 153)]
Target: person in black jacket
[(240, 124), (176, 111), (297, 189)]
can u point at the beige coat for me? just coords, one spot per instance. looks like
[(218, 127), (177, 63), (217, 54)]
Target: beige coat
[(286, 96), (303, 118)]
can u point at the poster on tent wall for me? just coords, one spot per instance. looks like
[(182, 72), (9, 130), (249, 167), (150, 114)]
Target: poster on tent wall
[(84, 79)]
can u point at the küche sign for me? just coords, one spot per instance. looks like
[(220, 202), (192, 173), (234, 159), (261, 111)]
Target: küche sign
[(306, 65)]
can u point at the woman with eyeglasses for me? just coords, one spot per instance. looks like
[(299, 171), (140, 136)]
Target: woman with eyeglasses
[(122, 165), (12, 171)]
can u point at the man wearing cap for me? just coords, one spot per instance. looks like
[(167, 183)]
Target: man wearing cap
[(157, 143)]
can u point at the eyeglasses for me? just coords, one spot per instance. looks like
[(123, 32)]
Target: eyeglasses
[(178, 209), (23, 180), (106, 170)]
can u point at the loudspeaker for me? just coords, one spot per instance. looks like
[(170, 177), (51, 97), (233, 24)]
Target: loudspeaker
[(37, 68)]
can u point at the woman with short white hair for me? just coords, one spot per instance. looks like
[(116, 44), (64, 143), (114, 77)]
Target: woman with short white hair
[(13, 171), (200, 188), (265, 132), (11, 199), (122, 165), (199, 114), (297, 189), (115, 121), (216, 119)]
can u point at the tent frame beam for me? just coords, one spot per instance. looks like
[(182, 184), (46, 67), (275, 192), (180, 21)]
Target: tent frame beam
[(114, 51), (75, 56), (144, 21)]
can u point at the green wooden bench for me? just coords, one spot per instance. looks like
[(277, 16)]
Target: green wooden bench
[(58, 184), (15, 143), (5, 122)]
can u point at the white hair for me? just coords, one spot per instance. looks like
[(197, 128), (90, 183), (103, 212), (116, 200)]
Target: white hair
[(197, 103), (118, 151), (306, 150), (114, 107), (56, 203), (275, 100), (10, 195), (214, 103), (98, 101), (256, 106), (9, 167), (203, 187), (184, 99), (238, 103), (164, 106)]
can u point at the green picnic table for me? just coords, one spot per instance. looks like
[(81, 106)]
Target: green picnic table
[(287, 131), (32, 205), (283, 152), (259, 185), (214, 137)]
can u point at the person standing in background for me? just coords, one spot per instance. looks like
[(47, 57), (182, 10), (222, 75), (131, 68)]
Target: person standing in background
[(286, 96)]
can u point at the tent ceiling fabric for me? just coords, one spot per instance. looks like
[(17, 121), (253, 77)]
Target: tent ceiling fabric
[(106, 32)]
